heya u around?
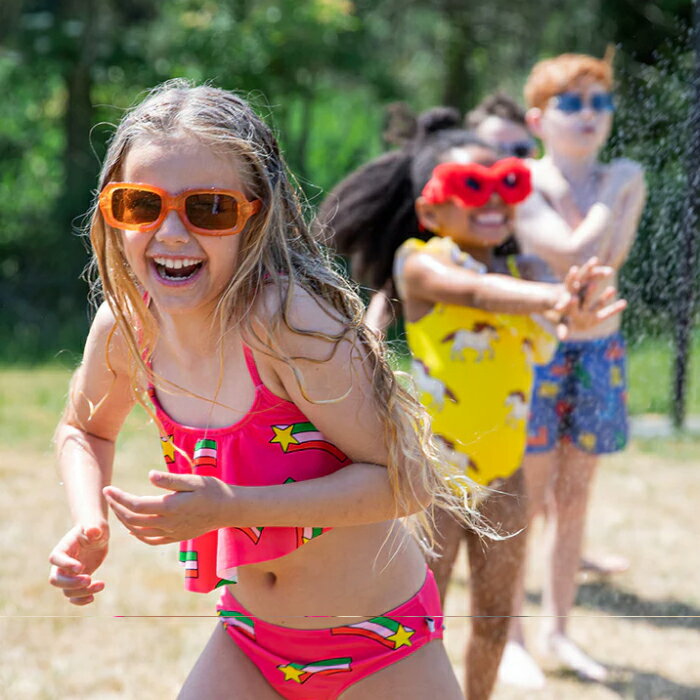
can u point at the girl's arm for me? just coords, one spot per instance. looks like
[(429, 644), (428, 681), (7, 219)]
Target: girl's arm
[(99, 400), (425, 278), (337, 397)]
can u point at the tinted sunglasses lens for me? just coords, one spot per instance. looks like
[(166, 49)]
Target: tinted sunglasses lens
[(603, 102), (212, 211), (134, 206), (569, 102)]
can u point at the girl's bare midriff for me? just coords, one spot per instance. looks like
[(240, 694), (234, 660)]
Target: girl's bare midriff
[(361, 571)]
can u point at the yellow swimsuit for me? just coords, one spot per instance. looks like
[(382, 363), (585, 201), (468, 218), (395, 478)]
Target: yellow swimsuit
[(474, 372)]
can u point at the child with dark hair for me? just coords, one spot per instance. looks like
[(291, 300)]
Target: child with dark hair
[(500, 121), (438, 211)]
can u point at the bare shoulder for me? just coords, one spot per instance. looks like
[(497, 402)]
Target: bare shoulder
[(106, 343), (300, 323), (625, 169)]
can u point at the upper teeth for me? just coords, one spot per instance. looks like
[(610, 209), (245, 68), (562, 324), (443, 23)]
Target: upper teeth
[(492, 218), (176, 264)]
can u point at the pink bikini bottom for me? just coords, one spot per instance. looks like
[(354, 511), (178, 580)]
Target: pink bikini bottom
[(320, 664)]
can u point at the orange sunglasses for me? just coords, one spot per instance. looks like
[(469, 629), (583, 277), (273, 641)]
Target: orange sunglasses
[(208, 212)]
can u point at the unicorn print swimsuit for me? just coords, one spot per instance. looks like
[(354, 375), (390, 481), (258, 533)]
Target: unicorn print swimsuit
[(474, 371)]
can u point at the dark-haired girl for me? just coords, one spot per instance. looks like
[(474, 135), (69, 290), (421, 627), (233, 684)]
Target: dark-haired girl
[(476, 321)]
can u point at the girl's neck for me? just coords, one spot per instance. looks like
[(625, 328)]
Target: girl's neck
[(480, 254), (189, 337), (576, 170)]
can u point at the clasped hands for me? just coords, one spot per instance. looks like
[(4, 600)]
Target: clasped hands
[(586, 300)]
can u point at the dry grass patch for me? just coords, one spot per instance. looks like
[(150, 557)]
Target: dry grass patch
[(645, 505)]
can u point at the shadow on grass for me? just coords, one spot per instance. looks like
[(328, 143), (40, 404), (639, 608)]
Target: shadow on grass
[(605, 597), (660, 613), (650, 686)]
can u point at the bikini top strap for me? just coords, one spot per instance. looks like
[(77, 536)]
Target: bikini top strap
[(252, 367)]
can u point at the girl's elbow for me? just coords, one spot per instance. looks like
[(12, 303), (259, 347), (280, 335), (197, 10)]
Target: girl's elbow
[(418, 499)]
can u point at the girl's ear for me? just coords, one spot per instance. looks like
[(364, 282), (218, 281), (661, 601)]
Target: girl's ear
[(533, 117), (427, 215)]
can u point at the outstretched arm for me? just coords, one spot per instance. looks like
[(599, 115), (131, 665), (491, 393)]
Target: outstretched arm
[(425, 278), (543, 232), (603, 232)]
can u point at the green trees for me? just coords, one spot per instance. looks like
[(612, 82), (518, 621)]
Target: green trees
[(322, 70)]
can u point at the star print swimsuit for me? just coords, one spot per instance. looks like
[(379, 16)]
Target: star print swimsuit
[(274, 443)]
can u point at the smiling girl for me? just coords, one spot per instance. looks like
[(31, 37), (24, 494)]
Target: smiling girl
[(291, 449)]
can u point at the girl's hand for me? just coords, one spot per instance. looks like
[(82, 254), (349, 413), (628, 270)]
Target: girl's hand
[(591, 301), (75, 558), (194, 508)]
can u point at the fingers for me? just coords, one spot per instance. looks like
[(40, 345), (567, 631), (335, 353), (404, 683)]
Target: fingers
[(570, 280), (80, 589), (174, 482), (156, 541), (612, 310), (139, 525), (62, 560), (153, 505)]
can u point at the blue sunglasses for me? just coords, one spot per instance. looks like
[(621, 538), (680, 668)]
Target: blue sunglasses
[(572, 102)]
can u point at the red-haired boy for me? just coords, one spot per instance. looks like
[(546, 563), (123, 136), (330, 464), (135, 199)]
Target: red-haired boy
[(580, 208)]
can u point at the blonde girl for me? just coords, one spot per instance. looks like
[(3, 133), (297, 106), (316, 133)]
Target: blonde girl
[(291, 450)]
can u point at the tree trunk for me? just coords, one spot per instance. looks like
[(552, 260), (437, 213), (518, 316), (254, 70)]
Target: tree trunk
[(688, 244), (79, 162)]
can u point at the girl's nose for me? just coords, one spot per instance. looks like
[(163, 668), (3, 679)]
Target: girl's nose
[(495, 199), (172, 230)]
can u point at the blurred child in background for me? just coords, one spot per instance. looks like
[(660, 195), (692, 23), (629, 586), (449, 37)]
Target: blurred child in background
[(476, 321), (580, 208)]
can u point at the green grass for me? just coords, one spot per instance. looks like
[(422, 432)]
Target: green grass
[(32, 399), (651, 373)]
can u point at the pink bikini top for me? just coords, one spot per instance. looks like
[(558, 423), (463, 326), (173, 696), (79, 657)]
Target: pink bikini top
[(274, 443)]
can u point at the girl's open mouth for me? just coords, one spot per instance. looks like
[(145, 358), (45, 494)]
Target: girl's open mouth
[(177, 269)]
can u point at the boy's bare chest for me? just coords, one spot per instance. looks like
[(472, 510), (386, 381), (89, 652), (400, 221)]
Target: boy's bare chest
[(587, 192)]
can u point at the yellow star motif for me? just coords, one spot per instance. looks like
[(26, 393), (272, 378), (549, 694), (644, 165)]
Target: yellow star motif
[(402, 637), (587, 440), (291, 673), (166, 443), (548, 390), (615, 376), (284, 437)]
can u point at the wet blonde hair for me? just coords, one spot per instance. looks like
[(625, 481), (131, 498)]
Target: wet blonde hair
[(278, 249), (556, 75)]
